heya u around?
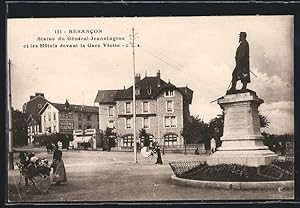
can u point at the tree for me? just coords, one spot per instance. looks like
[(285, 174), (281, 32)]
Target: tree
[(43, 139), (263, 120), (216, 127), (145, 136), (195, 130), (19, 128)]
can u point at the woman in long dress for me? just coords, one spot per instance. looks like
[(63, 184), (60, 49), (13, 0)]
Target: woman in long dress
[(157, 150), (59, 171)]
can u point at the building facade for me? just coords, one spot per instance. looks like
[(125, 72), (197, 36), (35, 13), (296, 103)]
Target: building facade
[(64, 118), (31, 109), (161, 109)]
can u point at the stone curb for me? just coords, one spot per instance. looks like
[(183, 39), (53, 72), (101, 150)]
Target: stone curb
[(275, 185)]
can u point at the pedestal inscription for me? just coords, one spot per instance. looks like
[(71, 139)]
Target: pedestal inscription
[(242, 142)]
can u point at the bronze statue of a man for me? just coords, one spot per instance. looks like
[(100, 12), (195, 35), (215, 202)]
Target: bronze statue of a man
[(242, 69)]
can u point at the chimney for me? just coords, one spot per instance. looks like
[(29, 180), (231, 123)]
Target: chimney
[(39, 94), (31, 97), (67, 105), (158, 78), (137, 77)]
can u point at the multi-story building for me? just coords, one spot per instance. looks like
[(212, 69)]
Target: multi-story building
[(64, 118), (161, 109), (31, 109)]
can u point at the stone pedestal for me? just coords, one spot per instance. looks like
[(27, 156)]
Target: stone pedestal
[(242, 142)]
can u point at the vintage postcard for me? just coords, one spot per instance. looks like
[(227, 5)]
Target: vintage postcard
[(137, 109)]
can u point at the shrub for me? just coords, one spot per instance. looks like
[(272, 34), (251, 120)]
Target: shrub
[(278, 170)]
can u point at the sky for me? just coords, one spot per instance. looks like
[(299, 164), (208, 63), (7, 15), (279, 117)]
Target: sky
[(197, 52)]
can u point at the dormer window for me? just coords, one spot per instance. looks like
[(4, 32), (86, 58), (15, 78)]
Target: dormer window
[(149, 90), (137, 91), (169, 93)]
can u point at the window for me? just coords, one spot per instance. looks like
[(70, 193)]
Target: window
[(128, 123), (128, 107), (54, 116), (88, 117), (111, 124), (79, 117), (142, 140), (49, 117), (110, 111), (39, 105), (128, 141), (149, 90), (170, 121), (173, 121), (44, 118), (170, 140), (145, 107), (169, 93), (146, 124), (49, 129), (79, 126), (54, 128), (170, 107), (89, 126)]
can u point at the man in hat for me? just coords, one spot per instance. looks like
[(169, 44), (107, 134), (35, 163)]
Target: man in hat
[(241, 70)]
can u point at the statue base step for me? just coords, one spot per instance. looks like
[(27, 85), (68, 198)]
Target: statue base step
[(252, 158)]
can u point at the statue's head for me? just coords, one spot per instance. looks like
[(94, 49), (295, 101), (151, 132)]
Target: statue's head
[(243, 36)]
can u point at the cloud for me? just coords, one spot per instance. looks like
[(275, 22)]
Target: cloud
[(272, 88), (280, 115)]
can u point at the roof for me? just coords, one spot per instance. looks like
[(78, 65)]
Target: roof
[(32, 106), (74, 108), (106, 96), (187, 93), (156, 85), (33, 120), (144, 85)]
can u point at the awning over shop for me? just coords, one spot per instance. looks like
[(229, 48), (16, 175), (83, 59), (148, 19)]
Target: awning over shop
[(87, 138), (83, 139), (77, 139)]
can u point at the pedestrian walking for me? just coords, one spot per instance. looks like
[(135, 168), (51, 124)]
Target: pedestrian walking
[(157, 150), (213, 145)]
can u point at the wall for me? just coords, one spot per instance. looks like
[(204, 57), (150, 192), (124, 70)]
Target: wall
[(50, 110), (156, 115), (178, 113), (93, 123), (104, 117), (120, 124)]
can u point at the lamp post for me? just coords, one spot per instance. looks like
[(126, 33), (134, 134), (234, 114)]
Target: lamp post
[(133, 100), (10, 125)]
